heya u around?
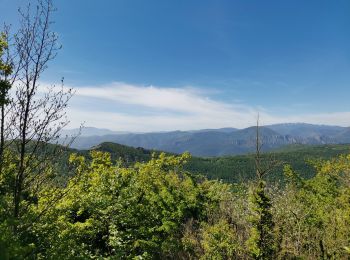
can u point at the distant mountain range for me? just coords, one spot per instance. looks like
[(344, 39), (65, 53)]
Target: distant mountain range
[(217, 142), (90, 131)]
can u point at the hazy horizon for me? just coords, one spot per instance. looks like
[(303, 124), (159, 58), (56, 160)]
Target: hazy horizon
[(174, 130)]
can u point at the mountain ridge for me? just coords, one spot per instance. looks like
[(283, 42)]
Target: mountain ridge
[(223, 141)]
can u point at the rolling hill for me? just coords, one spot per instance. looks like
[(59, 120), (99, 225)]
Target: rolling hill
[(240, 167)]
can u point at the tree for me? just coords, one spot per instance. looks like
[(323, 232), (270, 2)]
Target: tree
[(38, 112), (32, 117), (261, 242), (125, 213), (315, 212), (5, 85)]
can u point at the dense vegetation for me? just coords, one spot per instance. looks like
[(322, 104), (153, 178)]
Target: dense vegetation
[(158, 210), (241, 167), (237, 168)]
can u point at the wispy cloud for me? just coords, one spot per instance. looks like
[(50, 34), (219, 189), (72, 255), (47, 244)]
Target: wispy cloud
[(151, 108)]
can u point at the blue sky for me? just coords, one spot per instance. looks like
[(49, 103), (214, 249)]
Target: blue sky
[(224, 60)]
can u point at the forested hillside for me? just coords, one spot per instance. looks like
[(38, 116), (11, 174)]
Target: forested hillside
[(237, 168)]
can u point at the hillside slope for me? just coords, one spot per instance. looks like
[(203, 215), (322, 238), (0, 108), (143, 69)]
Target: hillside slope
[(241, 167)]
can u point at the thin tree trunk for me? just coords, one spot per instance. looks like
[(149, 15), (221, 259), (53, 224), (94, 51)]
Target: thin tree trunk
[(21, 170), (2, 137)]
